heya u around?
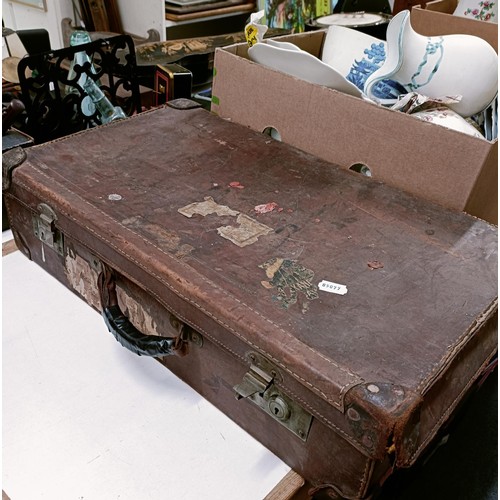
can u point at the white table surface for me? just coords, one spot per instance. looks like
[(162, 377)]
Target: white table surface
[(83, 418)]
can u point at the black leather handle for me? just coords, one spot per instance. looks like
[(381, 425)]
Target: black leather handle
[(131, 338), (125, 332)]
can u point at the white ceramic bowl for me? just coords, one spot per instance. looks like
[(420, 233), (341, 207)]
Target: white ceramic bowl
[(445, 117), (301, 64)]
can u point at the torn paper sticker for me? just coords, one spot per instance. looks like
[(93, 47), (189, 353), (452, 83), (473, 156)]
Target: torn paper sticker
[(207, 207), (247, 230), (246, 233), (329, 286)]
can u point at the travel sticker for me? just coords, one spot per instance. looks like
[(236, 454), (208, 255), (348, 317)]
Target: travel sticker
[(288, 278)]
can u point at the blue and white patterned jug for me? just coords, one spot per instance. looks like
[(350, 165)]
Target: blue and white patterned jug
[(438, 66)]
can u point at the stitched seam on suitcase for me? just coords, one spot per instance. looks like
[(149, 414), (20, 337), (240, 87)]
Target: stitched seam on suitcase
[(475, 326), (448, 411), (370, 464), (343, 388)]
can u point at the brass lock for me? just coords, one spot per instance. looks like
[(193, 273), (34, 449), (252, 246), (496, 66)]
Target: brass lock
[(279, 408), (44, 228), (258, 386)]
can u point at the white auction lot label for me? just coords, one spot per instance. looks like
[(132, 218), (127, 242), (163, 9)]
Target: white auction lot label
[(329, 286)]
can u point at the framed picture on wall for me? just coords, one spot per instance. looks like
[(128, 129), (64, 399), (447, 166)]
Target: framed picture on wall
[(36, 4)]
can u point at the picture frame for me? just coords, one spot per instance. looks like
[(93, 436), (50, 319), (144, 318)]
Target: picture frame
[(35, 4)]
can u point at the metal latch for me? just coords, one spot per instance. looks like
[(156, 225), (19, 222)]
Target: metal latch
[(45, 230), (258, 386), (255, 381)]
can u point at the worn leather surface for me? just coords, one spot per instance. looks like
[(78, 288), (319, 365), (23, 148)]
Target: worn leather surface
[(421, 280)]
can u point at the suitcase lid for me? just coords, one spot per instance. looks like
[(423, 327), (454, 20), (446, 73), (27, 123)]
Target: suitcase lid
[(336, 278)]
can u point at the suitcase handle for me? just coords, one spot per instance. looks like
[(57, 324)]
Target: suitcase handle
[(125, 332)]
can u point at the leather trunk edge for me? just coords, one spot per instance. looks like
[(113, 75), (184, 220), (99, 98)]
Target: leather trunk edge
[(442, 398)]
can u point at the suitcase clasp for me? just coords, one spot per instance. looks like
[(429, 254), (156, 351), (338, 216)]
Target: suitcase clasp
[(258, 386), (255, 381), (45, 229)]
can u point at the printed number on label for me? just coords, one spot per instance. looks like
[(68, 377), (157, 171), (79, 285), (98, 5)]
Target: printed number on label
[(329, 286)]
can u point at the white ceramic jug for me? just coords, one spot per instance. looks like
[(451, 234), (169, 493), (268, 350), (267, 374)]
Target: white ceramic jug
[(438, 66)]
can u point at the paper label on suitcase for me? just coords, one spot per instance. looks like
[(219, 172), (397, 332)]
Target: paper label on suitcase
[(330, 287)]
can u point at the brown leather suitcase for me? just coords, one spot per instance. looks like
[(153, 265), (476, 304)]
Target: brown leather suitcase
[(339, 321)]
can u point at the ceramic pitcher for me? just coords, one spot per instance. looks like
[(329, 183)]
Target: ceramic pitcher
[(437, 66)]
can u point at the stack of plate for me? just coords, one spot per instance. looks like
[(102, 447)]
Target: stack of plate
[(371, 23), (178, 10)]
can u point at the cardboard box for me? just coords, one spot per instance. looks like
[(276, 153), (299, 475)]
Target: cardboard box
[(450, 168), (437, 19)]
